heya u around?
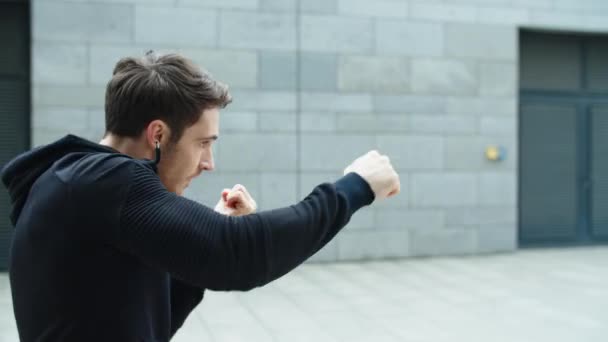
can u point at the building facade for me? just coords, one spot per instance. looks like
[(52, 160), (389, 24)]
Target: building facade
[(451, 90)]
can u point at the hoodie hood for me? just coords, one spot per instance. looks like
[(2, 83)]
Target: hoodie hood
[(19, 174)]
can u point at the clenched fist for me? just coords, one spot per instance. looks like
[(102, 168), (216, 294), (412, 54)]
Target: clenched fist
[(236, 202), (377, 170)]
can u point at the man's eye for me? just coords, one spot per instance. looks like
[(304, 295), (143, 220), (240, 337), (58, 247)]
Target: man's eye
[(205, 143)]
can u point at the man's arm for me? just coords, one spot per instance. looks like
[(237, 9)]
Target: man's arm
[(206, 249), (184, 298)]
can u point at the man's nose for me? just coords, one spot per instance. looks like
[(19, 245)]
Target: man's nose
[(207, 164)]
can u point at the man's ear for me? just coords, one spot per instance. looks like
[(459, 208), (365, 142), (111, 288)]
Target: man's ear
[(157, 130)]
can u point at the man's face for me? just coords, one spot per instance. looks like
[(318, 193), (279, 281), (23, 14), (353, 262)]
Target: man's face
[(191, 155)]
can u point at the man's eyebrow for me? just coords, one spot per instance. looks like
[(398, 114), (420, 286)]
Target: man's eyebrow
[(212, 137)]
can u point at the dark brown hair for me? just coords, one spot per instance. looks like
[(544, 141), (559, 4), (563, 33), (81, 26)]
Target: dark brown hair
[(167, 87)]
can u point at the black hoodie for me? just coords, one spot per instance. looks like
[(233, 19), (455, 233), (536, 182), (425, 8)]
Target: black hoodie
[(102, 251)]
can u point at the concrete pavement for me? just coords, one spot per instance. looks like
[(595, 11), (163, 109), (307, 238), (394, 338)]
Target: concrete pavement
[(553, 295)]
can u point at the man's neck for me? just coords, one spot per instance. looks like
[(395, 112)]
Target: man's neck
[(135, 148)]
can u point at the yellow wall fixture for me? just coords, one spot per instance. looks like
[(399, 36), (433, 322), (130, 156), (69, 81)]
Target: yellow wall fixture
[(495, 153)]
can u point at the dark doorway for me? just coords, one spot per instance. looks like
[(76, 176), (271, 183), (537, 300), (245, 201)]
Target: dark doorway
[(14, 99), (563, 130)]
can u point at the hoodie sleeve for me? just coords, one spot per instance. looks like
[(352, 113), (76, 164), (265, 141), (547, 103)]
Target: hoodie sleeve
[(206, 249), (184, 298)]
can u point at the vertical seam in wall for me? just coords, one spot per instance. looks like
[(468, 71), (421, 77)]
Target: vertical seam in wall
[(298, 99), (374, 47), (87, 56), (133, 23), (258, 87), (29, 78), (218, 28), (89, 83), (258, 76)]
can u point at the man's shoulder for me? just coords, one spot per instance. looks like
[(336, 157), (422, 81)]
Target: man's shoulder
[(98, 168)]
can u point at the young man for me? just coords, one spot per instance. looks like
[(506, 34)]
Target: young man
[(106, 249)]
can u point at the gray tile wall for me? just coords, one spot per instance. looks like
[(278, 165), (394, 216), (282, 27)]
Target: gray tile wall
[(431, 83)]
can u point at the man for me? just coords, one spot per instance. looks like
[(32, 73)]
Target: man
[(106, 249)]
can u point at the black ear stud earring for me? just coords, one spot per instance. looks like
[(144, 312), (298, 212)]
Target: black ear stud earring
[(157, 153)]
